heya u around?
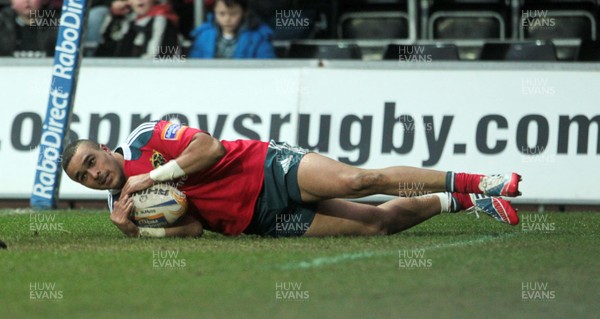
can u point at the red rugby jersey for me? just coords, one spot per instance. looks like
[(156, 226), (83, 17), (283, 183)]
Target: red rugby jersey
[(224, 195)]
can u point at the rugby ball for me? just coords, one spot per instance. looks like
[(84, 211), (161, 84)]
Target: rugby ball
[(158, 206)]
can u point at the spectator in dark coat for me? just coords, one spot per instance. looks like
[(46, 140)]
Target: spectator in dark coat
[(27, 30), (149, 31), (98, 11)]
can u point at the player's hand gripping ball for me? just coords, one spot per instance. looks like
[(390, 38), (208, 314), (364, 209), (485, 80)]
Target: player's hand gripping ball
[(160, 205)]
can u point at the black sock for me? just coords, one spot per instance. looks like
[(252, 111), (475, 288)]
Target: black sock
[(450, 182)]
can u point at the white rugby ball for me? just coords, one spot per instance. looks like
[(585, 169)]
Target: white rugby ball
[(160, 205)]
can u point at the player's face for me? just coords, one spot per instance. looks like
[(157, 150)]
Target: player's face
[(96, 168), (228, 18)]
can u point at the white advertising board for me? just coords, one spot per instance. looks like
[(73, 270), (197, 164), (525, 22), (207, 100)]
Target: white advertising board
[(542, 124)]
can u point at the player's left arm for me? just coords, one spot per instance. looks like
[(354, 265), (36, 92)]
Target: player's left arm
[(201, 153)]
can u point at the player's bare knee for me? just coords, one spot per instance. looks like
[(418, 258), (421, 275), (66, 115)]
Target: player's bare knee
[(382, 225), (379, 229), (365, 182)]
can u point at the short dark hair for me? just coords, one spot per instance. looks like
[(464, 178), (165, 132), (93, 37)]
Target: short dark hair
[(70, 150), (251, 20), (230, 3)]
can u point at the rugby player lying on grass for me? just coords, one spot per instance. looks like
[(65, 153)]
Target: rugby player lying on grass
[(272, 189)]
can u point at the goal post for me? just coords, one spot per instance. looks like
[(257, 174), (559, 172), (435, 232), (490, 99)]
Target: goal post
[(67, 59)]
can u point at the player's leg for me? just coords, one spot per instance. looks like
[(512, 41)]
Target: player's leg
[(321, 178), (337, 217)]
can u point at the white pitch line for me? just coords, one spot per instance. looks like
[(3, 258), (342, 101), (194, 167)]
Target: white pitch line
[(323, 261), (17, 211)]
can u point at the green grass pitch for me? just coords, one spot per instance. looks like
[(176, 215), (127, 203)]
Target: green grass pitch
[(76, 264)]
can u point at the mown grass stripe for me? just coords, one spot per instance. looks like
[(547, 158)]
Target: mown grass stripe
[(329, 260)]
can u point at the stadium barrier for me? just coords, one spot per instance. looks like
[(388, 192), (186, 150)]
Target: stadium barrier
[(539, 119)]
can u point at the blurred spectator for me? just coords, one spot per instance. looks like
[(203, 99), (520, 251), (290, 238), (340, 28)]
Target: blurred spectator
[(185, 11), (234, 33), (26, 30), (98, 12), (140, 28)]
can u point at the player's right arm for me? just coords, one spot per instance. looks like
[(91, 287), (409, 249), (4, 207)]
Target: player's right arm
[(201, 153), (121, 211)]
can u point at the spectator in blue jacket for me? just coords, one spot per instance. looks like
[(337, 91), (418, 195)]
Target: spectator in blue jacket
[(234, 33)]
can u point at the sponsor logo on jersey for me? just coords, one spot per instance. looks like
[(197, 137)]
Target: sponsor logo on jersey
[(157, 159), (172, 132)]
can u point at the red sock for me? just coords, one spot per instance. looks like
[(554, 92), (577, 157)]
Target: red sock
[(466, 183), (464, 201)]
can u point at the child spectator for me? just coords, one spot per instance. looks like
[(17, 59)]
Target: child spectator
[(27, 31), (140, 28), (234, 33)]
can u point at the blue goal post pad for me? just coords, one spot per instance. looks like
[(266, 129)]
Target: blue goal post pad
[(59, 109)]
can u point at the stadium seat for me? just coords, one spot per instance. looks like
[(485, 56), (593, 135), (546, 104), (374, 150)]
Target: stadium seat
[(463, 19), (466, 25), (437, 52), (558, 19), (373, 25), (565, 22), (566, 51), (324, 51), (316, 13), (519, 51), (296, 33), (561, 24), (589, 51)]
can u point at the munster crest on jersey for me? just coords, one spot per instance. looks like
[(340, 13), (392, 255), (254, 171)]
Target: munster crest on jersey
[(157, 159)]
